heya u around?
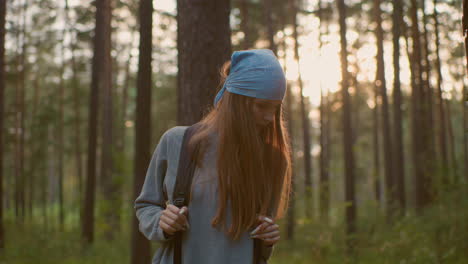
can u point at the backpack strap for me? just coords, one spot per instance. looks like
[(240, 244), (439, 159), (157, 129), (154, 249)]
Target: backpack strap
[(181, 194)]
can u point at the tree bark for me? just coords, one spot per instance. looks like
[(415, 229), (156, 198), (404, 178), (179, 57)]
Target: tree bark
[(140, 245), (203, 44), (451, 137), (465, 29), (2, 110), (465, 128), (426, 73), (347, 133), (98, 80), (420, 136), (324, 138), (267, 4), (304, 117), (110, 187), (376, 145), (76, 108), (291, 214), (386, 129), (60, 128), (398, 153), (440, 100), (244, 24)]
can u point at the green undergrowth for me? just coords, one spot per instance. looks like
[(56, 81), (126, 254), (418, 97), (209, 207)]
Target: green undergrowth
[(439, 234)]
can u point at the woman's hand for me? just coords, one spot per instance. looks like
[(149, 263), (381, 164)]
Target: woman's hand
[(174, 219), (267, 231)]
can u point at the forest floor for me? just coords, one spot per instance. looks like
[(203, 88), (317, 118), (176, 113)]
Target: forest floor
[(439, 235)]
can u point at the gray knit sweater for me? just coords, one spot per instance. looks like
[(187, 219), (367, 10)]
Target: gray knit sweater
[(201, 244)]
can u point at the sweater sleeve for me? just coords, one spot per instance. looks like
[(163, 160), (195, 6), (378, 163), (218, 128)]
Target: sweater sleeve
[(150, 204)]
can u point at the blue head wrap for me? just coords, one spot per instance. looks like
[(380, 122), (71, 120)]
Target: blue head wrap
[(255, 73)]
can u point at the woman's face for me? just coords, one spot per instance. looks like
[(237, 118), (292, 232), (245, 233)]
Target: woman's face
[(264, 111)]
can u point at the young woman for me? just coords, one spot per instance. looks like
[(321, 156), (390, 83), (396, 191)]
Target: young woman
[(241, 184)]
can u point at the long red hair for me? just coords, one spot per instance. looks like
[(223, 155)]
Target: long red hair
[(254, 167)]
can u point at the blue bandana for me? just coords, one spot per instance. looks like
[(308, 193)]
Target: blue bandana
[(255, 73)]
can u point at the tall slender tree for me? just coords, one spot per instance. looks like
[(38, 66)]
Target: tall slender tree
[(324, 179), (140, 245), (203, 45), (398, 153), (99, 79), (382, 88), (442, 138), (451, 139), (347, 131), (110, 187), (77, 138), (21, 114), (2, 103), (304, 115), (244, 24), (268, 14), (465, 128), (420, 136), (291, 215), (425, 75), (376, 146), (465, 90), (465, 29)]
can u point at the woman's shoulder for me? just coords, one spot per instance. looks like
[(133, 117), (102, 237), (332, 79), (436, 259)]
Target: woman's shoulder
[(173, 133)]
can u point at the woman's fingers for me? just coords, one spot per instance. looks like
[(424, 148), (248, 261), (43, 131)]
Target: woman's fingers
[(259, 228), (166, 228), (268, 235), (174, 213), (174, 219), (171, 222), (268, 229)]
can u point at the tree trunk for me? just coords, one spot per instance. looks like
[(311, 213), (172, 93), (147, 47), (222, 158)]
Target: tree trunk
[(76, 109), (347, 133), (440, 100), (324, 170), (110, 187), (244, 24), (291, 214), (324, 182), (386, 129), (125, 90), (420, 136), (304, 117), (465, 128), (452, 143), (60, 125), (2, 103), (98, 81), (465, 30), (426, 73), (376, 145), (140, 245), (20, 116), (267, 4), (203, 44), (398, 153), (465, 90)]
